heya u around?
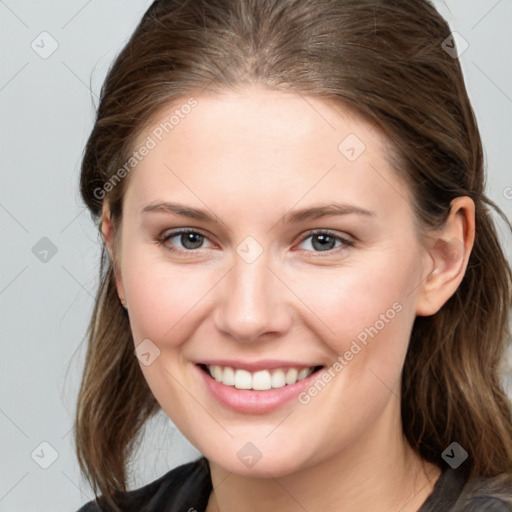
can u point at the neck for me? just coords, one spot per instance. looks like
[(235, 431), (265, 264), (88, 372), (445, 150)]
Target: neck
[(370, 476)]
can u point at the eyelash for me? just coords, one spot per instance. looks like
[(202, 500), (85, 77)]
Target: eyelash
[(163, 239)]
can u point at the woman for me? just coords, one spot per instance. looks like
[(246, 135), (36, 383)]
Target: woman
[(300, 266)]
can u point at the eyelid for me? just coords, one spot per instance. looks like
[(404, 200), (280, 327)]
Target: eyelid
[(345, 242), (168, 234)]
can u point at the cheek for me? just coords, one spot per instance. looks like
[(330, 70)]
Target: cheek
[(369, 316), (364, 314), (159, 294), (353, 301), (163, 297)]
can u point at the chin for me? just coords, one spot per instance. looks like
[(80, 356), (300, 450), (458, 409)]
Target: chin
[(246, 459)]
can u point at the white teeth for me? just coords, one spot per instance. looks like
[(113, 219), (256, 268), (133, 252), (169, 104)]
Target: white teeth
[(278, 379), (291, 376), (229, 376), (303, 374), (243, 379), (217, 373), (260, 380)]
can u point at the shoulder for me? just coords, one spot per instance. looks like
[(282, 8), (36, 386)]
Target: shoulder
[(188, 485), (492, 494)]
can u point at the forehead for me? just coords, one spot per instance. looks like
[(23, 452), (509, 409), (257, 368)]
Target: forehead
[(258, 145), (256, 119)]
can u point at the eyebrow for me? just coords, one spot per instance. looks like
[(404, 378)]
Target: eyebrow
[(295, 216)]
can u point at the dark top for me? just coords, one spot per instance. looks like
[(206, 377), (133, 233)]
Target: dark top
[(187, 488)]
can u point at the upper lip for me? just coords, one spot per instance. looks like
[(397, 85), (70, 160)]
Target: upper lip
[(254, 366)]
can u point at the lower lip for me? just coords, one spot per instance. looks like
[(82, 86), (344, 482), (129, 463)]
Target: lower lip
[(255, 402)]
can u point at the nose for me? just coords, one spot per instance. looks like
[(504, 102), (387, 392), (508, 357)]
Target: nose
[(252, 302)]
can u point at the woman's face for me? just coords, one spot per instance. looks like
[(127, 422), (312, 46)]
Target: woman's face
[(256, 297)]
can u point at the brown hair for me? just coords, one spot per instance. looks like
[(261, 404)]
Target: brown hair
[(385, 60)]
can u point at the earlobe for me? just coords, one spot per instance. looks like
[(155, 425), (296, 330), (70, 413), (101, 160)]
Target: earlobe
[(449, 252)]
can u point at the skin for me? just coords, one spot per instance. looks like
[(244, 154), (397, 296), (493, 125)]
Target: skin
[(250, 157)]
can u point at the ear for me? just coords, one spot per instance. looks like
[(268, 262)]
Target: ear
[(448, 250), (108, 234)]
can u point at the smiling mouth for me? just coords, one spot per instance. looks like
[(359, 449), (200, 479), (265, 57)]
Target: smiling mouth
[(261, 380)]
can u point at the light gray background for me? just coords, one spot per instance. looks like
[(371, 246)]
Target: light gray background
[(47, 114)]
